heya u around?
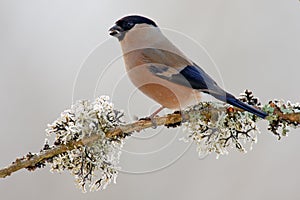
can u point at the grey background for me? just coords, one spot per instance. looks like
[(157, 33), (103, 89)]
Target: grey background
[(255, 44)]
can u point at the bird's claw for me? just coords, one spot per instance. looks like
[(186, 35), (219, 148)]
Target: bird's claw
[(153, 121)]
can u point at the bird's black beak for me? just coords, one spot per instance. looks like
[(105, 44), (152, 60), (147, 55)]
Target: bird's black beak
[(115, 31)]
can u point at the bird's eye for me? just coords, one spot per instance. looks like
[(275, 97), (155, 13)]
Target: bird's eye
[(130, 24)]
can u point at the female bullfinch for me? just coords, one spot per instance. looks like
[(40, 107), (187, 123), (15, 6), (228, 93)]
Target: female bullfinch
[(161, 71)]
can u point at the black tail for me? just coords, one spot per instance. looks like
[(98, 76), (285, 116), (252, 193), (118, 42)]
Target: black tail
[(228, 98)]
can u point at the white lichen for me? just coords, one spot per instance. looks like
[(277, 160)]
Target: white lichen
[(95, 165), (218, 130)]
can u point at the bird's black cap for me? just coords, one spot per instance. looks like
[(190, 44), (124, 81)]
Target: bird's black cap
[(126, 23)]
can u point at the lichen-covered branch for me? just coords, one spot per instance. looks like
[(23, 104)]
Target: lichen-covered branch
[(89, 136), (31, 161)]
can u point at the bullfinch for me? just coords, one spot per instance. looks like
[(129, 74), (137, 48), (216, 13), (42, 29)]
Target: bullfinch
[(161, 71)]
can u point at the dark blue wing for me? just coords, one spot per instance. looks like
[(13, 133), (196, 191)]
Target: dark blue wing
[(197, 78), (190, 76), (194, 77)]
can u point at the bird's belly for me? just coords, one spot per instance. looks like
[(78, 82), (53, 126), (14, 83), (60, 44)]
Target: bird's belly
[(166, 93), (169, 97)]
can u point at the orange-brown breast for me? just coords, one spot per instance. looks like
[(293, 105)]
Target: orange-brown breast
[(166, 93)]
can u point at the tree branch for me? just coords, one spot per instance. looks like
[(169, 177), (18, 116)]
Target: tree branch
[(29, 161), (33, 161)]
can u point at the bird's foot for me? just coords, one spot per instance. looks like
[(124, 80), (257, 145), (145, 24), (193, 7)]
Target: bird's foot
[(150, 118), (153, 122)]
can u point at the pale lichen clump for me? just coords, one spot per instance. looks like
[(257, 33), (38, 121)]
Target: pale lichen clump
[(215, 127), (94, 165)]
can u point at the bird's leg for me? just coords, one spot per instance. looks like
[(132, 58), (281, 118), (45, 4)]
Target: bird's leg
[(156, 112), (151, 117), (154, 124)]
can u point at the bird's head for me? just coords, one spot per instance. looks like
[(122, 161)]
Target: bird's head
[(128, 24)]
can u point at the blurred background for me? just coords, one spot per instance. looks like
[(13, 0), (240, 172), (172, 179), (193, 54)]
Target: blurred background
[(53, 53)]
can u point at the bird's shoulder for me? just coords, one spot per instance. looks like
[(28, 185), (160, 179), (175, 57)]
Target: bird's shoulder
[(164, 57)]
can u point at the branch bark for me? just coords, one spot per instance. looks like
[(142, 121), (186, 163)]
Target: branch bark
[(30, 160), (171, 120)]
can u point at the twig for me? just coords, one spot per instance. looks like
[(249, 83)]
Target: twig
[(170, 120), (28, 160)]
